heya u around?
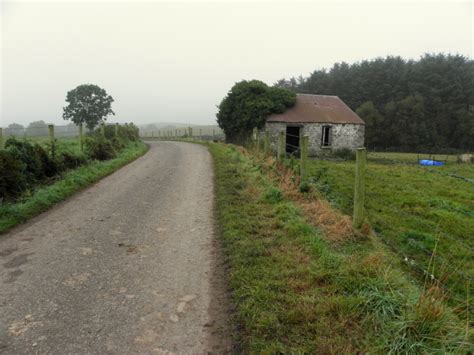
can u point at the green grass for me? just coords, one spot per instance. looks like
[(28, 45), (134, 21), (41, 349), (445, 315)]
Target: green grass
[(295, 292), (413, 208), (12, 214)]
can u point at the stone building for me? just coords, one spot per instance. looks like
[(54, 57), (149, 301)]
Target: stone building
[(328, 122)]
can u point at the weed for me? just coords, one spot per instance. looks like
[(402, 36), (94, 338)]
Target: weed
[(273, 195)]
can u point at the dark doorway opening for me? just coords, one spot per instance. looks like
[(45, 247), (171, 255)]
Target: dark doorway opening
[(293, 140)]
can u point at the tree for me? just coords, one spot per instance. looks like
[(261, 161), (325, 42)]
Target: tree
[(247, 105), (88, 104), (424, 104), (15, 126), (373, 119), (37, 124)]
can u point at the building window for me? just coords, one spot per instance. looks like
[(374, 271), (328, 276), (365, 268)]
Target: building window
[(326, 136)]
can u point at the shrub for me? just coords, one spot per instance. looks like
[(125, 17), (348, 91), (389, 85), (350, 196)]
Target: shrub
[(126, 132), (12, 177), (99, 148), (37, 161), (67, 160), (48, 165), (129, 132)]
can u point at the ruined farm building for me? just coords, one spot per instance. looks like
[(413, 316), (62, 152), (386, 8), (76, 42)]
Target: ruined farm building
[(327, 120)]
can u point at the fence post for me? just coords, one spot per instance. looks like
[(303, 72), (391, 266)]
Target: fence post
[(116, 129), (266, 142), (51, 138), (102, 129), (81, 137), (1, 138), (359, 189), (303, 157), (51, 132), (281, 146), (200, 134), (255, 137)]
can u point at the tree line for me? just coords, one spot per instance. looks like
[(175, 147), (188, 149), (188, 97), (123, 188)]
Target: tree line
[(408, 105)]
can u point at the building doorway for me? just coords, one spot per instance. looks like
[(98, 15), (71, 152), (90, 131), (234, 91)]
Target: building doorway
[(293, 140)]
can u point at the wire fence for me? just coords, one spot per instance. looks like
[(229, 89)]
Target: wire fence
[(205, 133), (60, 131), (449, 264)]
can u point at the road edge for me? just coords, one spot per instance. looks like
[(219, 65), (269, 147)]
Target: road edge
[(14, 215)]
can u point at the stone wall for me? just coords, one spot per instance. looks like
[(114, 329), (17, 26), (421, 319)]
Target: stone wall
[(342, 136)]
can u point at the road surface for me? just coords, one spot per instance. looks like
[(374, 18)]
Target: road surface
[(129, 265)]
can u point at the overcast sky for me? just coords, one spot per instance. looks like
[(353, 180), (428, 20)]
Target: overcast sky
[(174, 62)]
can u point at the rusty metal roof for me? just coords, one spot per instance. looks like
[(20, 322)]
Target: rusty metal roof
[(317, 109)]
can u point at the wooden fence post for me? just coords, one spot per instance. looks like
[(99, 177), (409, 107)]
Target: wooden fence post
[(359, 189), (266, 142), (81, 137), (303, 157), (255, 137), (1, 138), (51, 138), (51, 132), (281, 146)]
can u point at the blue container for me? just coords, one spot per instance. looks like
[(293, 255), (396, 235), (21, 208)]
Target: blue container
[(427, 162)]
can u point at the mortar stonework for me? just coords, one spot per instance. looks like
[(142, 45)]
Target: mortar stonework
[(343, 135)]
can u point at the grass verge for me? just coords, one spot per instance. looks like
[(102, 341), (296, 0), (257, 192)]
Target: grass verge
[(12, 214), (297, 292)]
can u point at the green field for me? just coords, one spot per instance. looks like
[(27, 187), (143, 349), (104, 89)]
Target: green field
[(297, 292), (424, 213)]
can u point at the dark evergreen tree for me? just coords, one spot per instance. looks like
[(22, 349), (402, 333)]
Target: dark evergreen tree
[(427, 104)]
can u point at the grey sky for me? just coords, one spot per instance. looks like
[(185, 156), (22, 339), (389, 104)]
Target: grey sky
[(174, 62)]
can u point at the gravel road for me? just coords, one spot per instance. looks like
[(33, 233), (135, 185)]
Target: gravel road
[(129, 265)]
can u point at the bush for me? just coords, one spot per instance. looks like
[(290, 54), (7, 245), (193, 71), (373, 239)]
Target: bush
[(67, 160), (38, 163), (12, 177), (125, 132), (99, 148), (128, 131)]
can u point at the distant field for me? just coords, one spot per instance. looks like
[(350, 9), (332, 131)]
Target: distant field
[(410, 157), (414, 209)]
